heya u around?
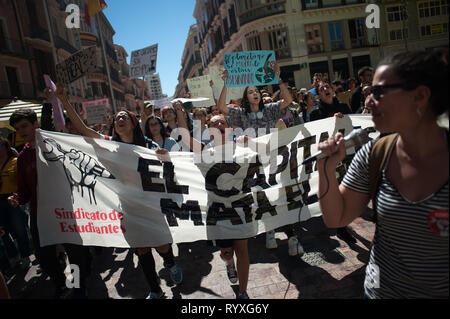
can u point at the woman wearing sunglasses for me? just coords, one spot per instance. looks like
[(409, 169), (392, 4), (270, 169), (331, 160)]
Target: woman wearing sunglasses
[(125, 128), (410, 254)]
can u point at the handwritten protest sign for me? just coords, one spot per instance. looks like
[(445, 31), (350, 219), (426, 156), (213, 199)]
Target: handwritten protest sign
[(199, 87), (250, 68), (143, 61), (215, 73), (77, 65), (159, 104), (96, 112)]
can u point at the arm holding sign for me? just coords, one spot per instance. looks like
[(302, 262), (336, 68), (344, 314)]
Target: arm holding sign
[(183, 128), (287, 97), (222, 103), (74, 117)]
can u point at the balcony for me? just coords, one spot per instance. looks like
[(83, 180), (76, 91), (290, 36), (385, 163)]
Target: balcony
[(359, 43), (61, 43), (40, 33), (12, 47), (115, 75), (262, 11), (283, 53), (109, 50), (22, 90)]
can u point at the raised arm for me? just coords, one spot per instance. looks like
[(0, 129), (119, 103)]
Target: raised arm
[(339, 204), (287, 97), (74, 117), (222, 103), (186, 137), (211, 84)]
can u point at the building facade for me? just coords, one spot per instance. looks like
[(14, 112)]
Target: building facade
[(191, 62), (318, 36), (33, 39)]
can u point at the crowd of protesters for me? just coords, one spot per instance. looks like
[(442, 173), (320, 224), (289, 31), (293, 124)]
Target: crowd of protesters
[(260, 108)]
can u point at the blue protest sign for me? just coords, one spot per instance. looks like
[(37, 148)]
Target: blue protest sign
[(250, 68)]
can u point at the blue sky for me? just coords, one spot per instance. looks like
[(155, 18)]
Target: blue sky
[(141, 23)]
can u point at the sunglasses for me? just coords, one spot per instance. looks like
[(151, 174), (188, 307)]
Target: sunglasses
[(123, 117), (215, 123), (379, 90)]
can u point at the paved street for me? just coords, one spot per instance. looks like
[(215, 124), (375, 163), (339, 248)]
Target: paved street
[(330, 268)]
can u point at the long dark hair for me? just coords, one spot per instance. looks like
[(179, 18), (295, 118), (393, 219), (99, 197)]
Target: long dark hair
[(138, 137), (162, 128), (245, 104), (10, 152), (428, 68)]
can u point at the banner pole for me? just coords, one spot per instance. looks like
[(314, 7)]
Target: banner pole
[(102, 41)]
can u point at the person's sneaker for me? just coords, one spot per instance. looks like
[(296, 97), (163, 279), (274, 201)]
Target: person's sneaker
[(39, 270), (176, 273), (232, 274), (295, 248), (344, 234), (271, 242), (242, 295), (155, 295)]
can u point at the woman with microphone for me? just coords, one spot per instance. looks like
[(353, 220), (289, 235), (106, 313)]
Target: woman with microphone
[(405, 174)]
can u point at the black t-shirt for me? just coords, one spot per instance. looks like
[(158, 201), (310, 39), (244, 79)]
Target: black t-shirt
[(327, 110), (356, 100)]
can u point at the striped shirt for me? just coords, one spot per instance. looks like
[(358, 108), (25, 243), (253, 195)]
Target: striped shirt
[(410, 253)]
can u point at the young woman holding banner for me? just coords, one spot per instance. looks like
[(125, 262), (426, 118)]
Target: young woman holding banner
[(125, 128), (255, 115), (231, 247)]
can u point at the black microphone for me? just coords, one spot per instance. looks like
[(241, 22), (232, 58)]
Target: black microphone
[(356, 138)]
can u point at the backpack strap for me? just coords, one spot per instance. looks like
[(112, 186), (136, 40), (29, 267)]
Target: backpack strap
[(377, 160)]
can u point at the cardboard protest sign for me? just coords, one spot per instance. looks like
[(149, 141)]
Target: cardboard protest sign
[(215, 73), (77, 65), (250, 68), (199, 87), (143, 61), (159, 104), (97, 111)]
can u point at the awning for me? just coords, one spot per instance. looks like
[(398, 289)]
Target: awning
[(8, 109)]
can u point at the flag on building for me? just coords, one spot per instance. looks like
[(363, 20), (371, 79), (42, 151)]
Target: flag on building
[(91, 7)]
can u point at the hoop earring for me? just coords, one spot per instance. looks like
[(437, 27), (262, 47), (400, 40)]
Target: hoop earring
[(419, 112)]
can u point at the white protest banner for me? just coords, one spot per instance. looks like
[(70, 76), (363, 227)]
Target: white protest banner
[(77, 65), (95, 112), (159, 104), (143, 61), (95, 192), (184, 100), (215, 73), (199, 87)]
